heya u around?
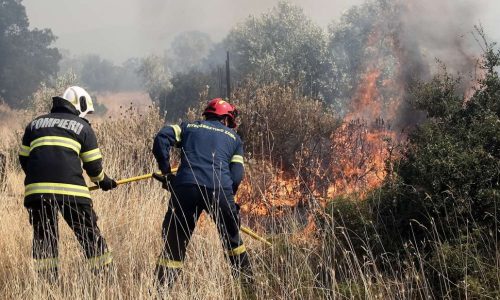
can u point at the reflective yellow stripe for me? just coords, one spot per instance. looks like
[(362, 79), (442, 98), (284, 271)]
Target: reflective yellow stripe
[(57, 188), (46, 263), (98, 177), (24, 151), (177, 129), (56, 141), (237, 251), (91, 155), (237, 159), (101, 261), (173, 264)]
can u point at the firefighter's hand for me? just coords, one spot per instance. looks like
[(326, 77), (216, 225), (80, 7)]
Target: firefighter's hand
[(164, 179), (107, 183)]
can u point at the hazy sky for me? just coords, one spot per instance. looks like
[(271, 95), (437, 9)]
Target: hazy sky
[(118, 29)]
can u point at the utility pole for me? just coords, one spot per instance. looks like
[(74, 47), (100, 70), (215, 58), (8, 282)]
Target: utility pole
[(220, 82), (228, 78)]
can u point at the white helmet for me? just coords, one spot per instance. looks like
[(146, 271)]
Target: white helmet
[(80, 99)]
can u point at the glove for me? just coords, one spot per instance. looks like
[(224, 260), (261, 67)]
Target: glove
[(165, 169), (164, 179), (107, 183)]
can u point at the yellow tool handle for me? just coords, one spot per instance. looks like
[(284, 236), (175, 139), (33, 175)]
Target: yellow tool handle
[(244, 229), (131, 179), (254, 235)]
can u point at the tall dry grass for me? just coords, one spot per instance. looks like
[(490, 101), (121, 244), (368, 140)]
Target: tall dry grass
[(130, 218), (303, 263)]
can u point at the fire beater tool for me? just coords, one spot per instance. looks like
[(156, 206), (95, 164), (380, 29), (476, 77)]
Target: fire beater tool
[(244, 229)]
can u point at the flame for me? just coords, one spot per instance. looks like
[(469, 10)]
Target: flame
[(367, 104), (360, 148)]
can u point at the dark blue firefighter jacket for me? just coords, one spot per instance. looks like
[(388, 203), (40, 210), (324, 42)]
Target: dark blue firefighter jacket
[(211, 154)]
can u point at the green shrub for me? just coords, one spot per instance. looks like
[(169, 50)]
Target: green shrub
[(443, 199)]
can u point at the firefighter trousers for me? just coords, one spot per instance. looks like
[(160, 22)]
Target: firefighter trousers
[(186, 204), (80, 217)]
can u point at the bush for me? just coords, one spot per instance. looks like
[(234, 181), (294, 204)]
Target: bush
[(277, 123), (347, 223), (465, 271), (444, 197)]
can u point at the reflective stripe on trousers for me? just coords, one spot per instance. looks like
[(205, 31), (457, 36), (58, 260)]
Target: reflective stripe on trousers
[(101, 260), (173, 264)]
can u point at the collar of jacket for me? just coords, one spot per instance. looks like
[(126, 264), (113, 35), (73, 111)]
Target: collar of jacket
[(215, 121), (60, 105)]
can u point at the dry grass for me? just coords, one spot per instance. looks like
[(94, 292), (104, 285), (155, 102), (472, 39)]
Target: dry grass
[(130, 218), (300, 265), (115, 102)]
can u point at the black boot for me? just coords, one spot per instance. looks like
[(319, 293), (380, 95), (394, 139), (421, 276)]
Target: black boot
[(242, 271), (165, 277), (49, 275)]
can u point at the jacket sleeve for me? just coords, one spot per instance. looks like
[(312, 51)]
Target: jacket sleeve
[(168, 136), (91, 156), (24, 151), (237, 166)]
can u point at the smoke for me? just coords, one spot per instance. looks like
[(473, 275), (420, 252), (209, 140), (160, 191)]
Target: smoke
[(442, 30), (405, 42), (437, 33)]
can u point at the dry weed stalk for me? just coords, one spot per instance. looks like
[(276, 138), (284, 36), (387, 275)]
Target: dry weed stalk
[(298, 266)]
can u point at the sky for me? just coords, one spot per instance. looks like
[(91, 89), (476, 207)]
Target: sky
[(119, 29)]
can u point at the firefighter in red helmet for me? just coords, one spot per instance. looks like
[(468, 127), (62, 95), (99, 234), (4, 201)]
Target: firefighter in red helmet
[(208, 177)]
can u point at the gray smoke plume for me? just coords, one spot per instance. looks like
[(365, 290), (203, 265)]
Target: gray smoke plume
[(439, 33), (402, 42), (442, 30)]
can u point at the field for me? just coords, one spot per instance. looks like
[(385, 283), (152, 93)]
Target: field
[(130, 218), (371, 149), (319, 251)]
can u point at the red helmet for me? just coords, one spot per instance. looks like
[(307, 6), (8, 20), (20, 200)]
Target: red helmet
[(219, 107)]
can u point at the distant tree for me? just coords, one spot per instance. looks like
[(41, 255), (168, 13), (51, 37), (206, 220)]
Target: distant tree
[(69, 63), (100, 74), (129, 79), (187, 91), (188, 50), (156, 78), (283, 45), (346, 47), (368, 37), (26, 58)]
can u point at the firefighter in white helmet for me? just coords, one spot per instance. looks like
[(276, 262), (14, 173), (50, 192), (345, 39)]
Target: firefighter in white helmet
[(54, 146)]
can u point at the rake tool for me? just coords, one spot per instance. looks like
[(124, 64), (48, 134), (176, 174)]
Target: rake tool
[(243, 229)]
